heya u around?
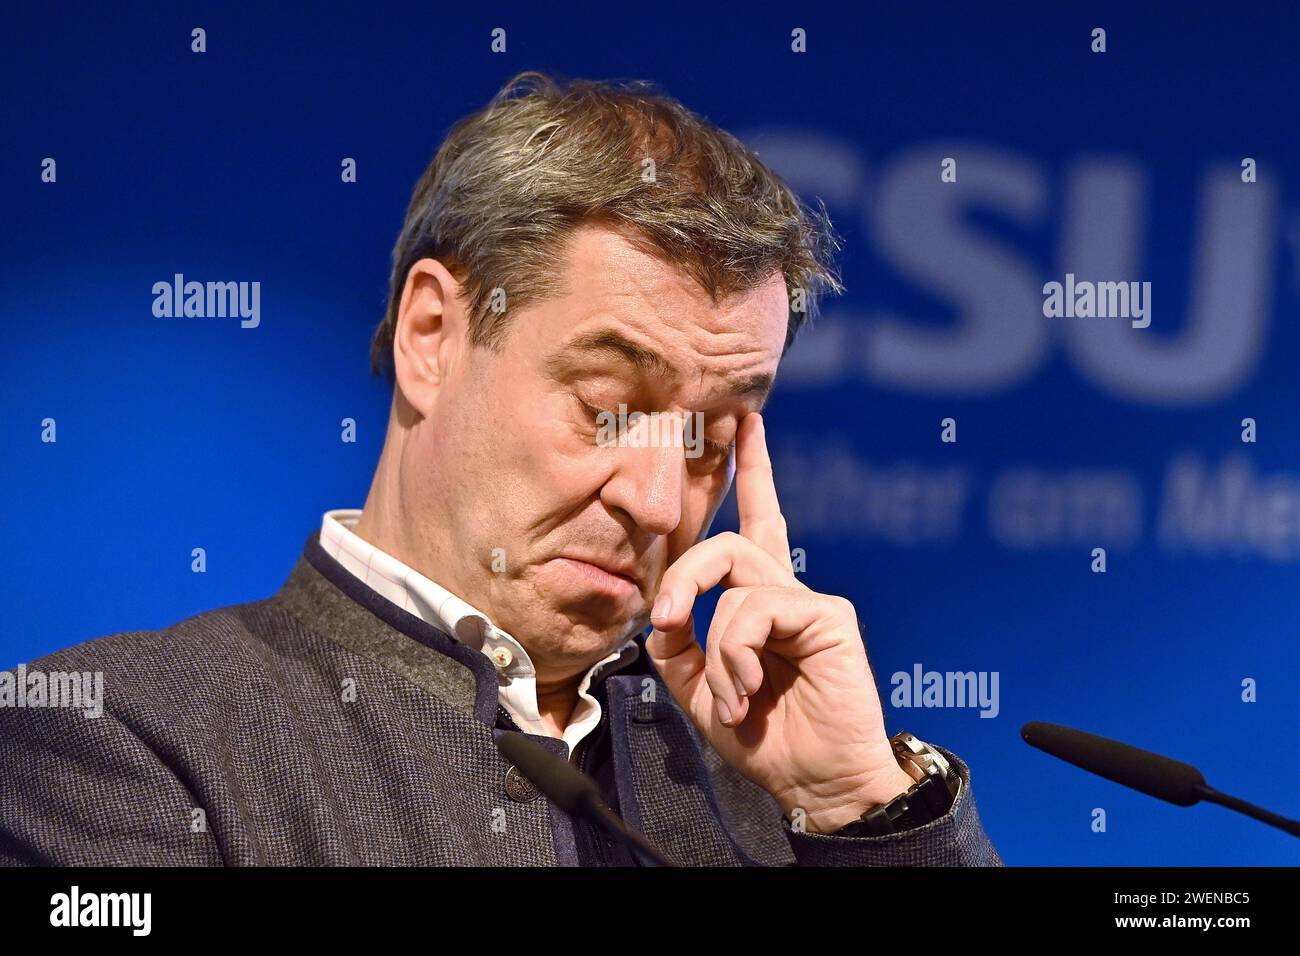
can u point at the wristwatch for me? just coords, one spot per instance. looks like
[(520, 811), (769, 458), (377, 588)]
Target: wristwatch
[(928, 799)]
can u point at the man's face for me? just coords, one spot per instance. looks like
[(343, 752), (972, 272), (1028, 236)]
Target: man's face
[(528, 514)]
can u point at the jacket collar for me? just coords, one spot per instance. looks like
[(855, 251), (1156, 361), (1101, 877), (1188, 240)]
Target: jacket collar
[(647, 728), (336, 604)]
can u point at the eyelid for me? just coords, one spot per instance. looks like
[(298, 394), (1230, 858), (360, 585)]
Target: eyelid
[(716, 447)]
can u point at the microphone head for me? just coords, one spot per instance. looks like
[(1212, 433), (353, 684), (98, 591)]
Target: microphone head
[(560, 781), (1150, 773)]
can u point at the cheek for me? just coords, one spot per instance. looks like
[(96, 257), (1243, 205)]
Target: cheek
[(550, 456), (716, 488), (699, 509), (564, 442)]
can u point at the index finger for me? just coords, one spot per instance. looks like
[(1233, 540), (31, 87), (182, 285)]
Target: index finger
[(727, 558), (761, 520)]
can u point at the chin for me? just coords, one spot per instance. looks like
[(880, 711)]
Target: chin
[(596, 631), (582, 632), (571, 620)]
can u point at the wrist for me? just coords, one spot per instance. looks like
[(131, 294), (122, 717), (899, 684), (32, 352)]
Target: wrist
[(876, 787), (881, 792), (929, 799)]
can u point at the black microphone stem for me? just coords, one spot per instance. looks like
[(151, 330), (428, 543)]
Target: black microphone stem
[(646, 854), (1206, 792)]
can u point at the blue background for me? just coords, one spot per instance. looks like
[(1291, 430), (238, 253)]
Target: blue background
[(177, 433)]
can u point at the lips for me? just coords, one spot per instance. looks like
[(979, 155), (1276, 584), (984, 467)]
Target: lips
[(629, 572)]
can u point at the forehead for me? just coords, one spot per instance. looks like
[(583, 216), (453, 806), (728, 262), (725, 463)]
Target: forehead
[(619, 303)]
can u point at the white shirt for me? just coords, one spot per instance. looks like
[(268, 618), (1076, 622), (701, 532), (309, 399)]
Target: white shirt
[(413, 592)]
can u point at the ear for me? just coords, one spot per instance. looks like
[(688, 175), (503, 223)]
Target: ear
[(431, 331)]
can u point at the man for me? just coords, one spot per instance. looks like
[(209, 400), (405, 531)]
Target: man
[(590, 297)]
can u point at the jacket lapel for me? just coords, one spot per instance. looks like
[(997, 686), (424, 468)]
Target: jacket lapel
[(664, 785)]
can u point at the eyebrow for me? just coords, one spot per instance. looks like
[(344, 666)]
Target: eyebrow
[(653, 365), (610, 342)]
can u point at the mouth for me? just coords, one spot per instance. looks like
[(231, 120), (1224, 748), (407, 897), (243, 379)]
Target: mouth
[(607, 576)]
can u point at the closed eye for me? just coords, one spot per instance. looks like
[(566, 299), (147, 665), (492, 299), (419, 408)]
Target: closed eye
[(715, 449)]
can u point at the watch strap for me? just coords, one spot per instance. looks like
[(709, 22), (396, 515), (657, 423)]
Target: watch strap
[(925, 801)]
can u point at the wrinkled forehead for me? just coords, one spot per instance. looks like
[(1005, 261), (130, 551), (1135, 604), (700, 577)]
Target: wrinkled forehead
[(621, 306)]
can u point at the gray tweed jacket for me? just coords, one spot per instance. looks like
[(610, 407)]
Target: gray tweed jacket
[(325, 725)]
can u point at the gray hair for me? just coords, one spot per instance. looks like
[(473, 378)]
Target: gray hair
[(511, 182)]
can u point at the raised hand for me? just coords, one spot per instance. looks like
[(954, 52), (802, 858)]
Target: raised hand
[(782, 690)]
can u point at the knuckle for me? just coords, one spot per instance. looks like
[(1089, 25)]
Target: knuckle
[(715, 678), (844, 607), (732, 598)]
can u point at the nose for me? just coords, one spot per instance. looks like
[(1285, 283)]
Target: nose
[(647, 484)]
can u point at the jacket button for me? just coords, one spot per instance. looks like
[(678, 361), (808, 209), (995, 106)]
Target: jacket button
[(519, 788)]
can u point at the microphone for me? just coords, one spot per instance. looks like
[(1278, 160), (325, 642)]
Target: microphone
[(1158, 776), (575, 793)]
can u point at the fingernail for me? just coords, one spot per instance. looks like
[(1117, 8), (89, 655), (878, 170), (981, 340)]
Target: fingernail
[(662, 606), (740, 687), (724, 712)]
